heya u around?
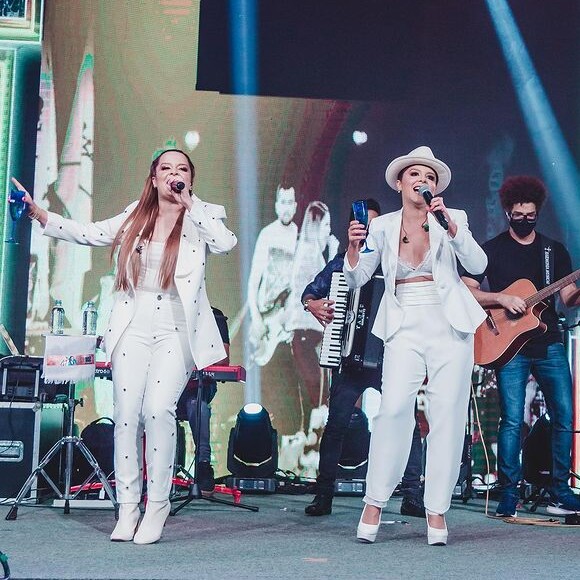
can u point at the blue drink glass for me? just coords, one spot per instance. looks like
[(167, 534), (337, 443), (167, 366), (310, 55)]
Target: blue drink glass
[(17, 209), (361, 215)]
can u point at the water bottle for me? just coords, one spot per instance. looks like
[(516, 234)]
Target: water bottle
[(90, 318), (57, 318)]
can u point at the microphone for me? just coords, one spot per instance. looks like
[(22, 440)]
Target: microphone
[(428, 196), (177, 186)]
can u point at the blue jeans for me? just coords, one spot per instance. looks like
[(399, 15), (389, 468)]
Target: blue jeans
[(553, 376)]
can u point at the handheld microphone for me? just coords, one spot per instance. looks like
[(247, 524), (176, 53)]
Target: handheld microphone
[(428, 196), (177, 186)]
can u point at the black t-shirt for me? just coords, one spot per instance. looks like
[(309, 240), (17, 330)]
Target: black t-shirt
[(508, 261)]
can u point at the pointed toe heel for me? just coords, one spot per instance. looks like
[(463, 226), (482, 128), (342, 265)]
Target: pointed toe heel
[(367, 533), (151, 527), (436, 536)]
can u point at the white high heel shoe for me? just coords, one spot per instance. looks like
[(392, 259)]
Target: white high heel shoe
[(153, 521), (436, 536), (367, 533), (129, 515)]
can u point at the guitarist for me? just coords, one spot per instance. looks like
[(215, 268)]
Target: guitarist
[(522, 252)]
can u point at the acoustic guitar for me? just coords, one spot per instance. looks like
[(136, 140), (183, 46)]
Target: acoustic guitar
[(502, 334)]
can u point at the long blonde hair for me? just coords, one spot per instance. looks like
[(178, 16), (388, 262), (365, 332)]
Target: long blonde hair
[(137, 230)]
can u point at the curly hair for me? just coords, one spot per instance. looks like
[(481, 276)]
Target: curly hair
[(522, 189)]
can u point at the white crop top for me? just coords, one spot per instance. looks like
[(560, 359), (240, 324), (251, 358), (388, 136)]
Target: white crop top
[(151, 258), (405, 270)]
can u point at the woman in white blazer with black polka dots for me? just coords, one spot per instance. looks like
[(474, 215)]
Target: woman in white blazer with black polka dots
[(161, 324)]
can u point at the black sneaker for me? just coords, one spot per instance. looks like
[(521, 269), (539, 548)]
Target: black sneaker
[(564, 505), (506, 508), (321, 506), (204, 478), (413, 506)]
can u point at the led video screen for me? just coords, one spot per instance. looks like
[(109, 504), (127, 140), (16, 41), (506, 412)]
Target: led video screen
[(118, 85)]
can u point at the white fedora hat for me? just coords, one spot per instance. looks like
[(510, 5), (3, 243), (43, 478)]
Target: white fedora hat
[(419, 156)]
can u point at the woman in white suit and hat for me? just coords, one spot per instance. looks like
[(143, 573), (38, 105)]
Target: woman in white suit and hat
[(161, 324), (427, 319)]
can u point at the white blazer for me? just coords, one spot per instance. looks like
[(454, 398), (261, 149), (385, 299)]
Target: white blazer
[(203, 229), (459, 306)]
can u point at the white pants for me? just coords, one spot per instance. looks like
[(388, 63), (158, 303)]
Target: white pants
[(426, 344), (151, 365)]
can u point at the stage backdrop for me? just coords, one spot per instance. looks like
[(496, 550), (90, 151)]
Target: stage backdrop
[(118, 84)]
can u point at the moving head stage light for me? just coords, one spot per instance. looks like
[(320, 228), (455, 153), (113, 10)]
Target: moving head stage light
[(353, 462), (253, 451)]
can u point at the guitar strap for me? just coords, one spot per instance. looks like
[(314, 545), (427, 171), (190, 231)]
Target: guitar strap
[(547, 262)]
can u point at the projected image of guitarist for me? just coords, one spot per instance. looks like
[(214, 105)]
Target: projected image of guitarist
[(525, 270), (269, 280)]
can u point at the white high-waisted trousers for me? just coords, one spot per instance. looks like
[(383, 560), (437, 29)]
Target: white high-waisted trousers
[(151, 365), (426, 344)]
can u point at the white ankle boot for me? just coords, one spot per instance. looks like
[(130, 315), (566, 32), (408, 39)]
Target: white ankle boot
[(129, 515), (153, 521)]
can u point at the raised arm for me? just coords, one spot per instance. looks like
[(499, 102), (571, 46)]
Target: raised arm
[(34, 211), (101, 233), (359, 268)]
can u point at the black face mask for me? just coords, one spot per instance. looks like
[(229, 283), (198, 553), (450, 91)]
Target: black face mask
[(522, 228)]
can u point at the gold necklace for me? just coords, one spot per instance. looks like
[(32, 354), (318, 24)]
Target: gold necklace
[(405, 239)]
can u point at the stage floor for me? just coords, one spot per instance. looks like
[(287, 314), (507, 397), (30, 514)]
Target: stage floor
[(209, 541)]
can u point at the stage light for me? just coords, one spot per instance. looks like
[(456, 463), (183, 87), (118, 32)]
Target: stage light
[(355, 448), (359, 137), (556, 160), (244, 56), (253, 451), (352, 465), (253, 408), (192, 140)]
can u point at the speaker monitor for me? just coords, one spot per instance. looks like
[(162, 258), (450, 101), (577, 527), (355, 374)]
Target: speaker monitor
[(19, 446), (20, 378), (27, 434)]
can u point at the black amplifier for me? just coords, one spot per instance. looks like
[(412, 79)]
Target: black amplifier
[(26, 434), (20, 377)]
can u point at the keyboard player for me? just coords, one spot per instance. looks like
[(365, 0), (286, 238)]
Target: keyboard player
[(187, 409), (345, 390)]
